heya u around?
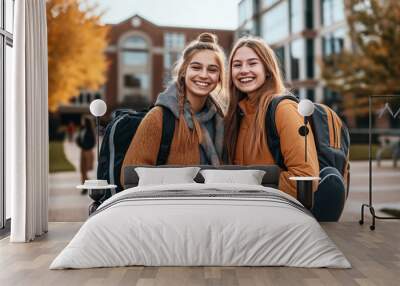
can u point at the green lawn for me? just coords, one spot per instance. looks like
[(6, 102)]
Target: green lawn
[(57, 160), (359, 152)]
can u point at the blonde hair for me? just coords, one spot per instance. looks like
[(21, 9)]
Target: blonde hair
[(205, 41), (272, 86)]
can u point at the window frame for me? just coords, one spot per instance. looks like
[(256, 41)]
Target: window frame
[(171, 53), (6, 39), (293, 15), (273, 19), (327, 14), (124, 91), (301, 73)]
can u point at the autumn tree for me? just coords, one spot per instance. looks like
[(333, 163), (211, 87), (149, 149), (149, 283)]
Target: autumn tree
[(76, 44), (373, 65)]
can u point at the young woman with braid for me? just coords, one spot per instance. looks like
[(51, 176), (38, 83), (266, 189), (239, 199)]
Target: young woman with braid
[(199, 126)]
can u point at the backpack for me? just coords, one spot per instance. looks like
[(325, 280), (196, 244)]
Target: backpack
[(86, 139), (118, 136), (332, 141)]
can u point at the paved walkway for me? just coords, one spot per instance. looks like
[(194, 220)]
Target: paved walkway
[(385, 186), (65, 201), (67, 204)]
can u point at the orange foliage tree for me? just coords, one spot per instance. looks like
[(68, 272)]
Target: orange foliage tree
[(76, 45), (373, 66)]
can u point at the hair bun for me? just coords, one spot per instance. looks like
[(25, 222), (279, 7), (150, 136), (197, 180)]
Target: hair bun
[(208, 38)]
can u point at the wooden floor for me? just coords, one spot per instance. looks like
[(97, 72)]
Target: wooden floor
[(374, 255)]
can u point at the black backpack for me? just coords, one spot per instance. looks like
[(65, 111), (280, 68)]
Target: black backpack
[(118, 136), (86, 139), (332, 142)]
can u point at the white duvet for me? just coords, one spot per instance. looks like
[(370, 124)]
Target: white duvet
[(206, 230)]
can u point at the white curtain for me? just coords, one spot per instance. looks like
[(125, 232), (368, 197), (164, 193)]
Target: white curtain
[(27, 124)]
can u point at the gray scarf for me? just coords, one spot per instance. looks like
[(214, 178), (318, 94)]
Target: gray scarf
[(213, 149)]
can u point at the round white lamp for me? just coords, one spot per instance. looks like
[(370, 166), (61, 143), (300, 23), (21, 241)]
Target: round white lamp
[(304, 184), (97, 188), (305, 109), (98, 108)]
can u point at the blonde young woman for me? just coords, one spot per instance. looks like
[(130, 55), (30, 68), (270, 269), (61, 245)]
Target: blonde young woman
[(198, 135), (254, 79)]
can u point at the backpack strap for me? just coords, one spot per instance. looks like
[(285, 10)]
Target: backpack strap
[(168, 128), (271, 131)]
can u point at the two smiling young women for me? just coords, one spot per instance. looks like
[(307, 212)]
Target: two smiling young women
[(202, 135)]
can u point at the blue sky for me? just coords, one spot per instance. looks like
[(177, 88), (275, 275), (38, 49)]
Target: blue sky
[(219, 14)]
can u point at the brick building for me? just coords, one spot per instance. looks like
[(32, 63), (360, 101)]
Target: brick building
[(141, 55)]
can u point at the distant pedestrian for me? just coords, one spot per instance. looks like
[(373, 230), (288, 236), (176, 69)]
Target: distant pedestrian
[(86, 140), (70, 131)]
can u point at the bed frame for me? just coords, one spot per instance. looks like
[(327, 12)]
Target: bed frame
[(270, 179)]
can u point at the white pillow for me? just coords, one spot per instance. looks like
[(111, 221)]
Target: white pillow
[(165, 176), (248, 177)]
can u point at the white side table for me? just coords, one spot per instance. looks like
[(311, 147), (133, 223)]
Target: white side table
[(97, 190), (305, 194)]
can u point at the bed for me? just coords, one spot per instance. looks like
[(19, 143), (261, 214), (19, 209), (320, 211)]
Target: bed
[(201, 224)]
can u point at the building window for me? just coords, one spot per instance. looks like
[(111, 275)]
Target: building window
[(296, 16), (88, 98), (6, 62), (302, 59), (332, 99), (309, 14), (280, 55), (81, 100), (332, 11), (310, 58), (130, 80), (135, 69), (274, 25), (248, 29), (140, 81), (85, 97), (333, 43), (174, 43), (8, 15), (297, 62), (170, 58), (135, 42), (310, 94), (135, 51), (246, 11), (135, 58)]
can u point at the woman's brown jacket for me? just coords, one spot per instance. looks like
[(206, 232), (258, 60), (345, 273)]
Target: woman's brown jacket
[(288, 121)]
